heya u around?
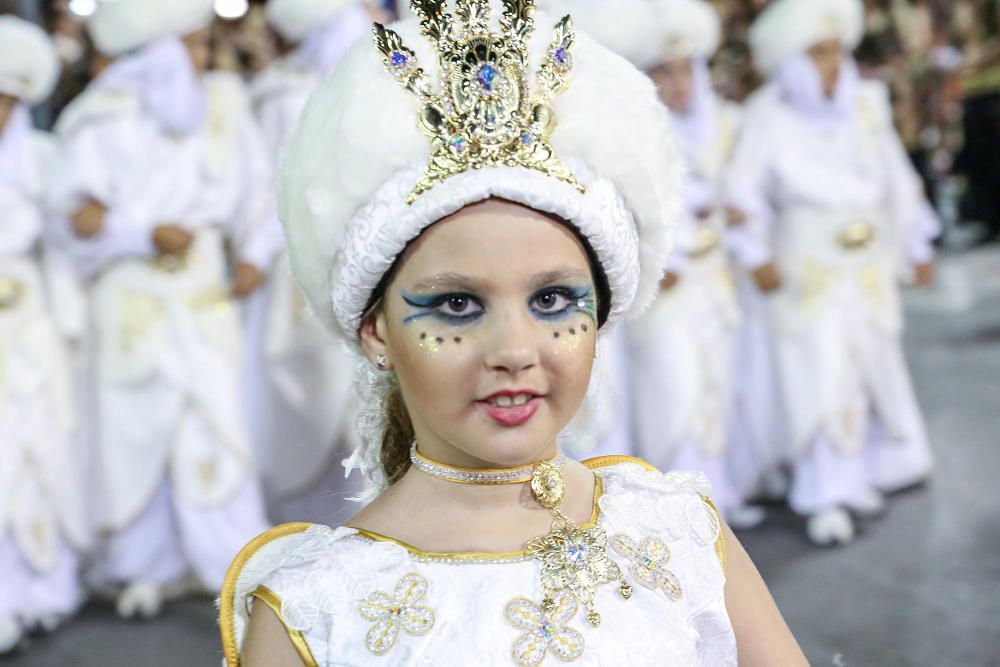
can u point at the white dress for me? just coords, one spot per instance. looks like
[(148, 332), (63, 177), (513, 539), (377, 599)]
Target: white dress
[(353, 598), (682, 347), (174, 466), (838, 208), (43, 520)]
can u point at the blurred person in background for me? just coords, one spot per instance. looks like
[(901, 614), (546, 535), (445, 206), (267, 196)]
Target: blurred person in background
[(681, 351), (977, 161), (162, 165), (835, 216), (298, 382), (43, 522)]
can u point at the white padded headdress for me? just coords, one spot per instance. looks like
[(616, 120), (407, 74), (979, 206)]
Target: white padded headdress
[(29, 66), (294, 19), (357, 154), (790, 27), (647, 32), (120, 26)]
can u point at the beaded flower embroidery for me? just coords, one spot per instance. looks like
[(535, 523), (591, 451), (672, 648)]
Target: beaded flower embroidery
[(648, 563), (544, 630), (391, 612)]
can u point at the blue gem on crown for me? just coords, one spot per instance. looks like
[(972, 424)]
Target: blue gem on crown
[(398, 59), (459, 143), (486, 76)]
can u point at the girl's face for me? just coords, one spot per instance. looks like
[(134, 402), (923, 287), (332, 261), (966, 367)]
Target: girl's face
[(490, 325)]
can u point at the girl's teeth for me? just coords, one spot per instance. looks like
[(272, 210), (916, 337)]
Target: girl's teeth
[(508, 401)]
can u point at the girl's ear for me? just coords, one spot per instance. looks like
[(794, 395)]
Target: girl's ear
[(373, 340)]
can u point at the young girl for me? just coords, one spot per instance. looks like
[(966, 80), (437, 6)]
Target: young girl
[(43, 524), (834, 217), (474, 280)]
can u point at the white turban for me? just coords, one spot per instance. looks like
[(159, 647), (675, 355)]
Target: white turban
[(29, 66), (790, 27)]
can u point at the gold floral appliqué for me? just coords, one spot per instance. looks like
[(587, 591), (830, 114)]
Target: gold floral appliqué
[(648, 563), (545, 630), (399, 610)]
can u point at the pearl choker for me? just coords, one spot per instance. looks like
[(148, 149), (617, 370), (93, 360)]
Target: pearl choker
[(488, 476)]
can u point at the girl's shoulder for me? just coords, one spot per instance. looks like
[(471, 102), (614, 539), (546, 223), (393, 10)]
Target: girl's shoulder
[(298, 570), (638, 498)]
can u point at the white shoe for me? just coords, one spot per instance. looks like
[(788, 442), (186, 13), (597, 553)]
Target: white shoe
[(830, 528), (745, 517), (871, 503), (10, 634), (141, 599)]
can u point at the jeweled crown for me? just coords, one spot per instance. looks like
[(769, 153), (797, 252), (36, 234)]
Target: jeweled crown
[(486, 115)]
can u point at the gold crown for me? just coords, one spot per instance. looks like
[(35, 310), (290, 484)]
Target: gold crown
[(486, 115)]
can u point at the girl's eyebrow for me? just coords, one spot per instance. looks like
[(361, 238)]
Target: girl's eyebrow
[(452, 281), (466, 283), (559, 275)]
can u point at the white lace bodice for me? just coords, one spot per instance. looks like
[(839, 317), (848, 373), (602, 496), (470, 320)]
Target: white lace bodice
[(349, 598)]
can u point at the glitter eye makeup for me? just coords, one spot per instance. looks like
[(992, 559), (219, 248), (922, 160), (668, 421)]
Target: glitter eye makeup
[(558, 302), (455, 309)]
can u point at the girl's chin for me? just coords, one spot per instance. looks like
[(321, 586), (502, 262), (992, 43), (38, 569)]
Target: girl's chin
[(506, 448)]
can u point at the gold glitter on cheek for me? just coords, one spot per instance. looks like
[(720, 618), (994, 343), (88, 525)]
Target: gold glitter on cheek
[(433, 343), (568, 338), (430, 343)]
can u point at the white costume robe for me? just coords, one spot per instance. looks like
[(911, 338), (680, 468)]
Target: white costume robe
[(299, 378), (682, 348), (43, 521), (837, 206), (350, 597), (174, 464)]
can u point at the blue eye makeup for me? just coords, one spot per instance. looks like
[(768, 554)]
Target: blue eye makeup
[(453, 309), (557, 302)]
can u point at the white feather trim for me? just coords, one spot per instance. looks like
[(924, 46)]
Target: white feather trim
[(294, 19), (29, 66), (789, 27), (357, 153)]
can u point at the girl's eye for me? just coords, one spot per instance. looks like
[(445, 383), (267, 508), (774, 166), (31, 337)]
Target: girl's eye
[(551, 302), (459, 305)]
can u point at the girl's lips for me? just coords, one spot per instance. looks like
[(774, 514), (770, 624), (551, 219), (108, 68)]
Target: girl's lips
[(514, 415)]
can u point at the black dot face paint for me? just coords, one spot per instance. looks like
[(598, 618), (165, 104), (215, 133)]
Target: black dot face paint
[(458, 339)]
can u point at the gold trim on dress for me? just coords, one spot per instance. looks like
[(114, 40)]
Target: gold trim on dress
[(720, 542), (227, 628), (273, 600), (480, 555), (615, 459)]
